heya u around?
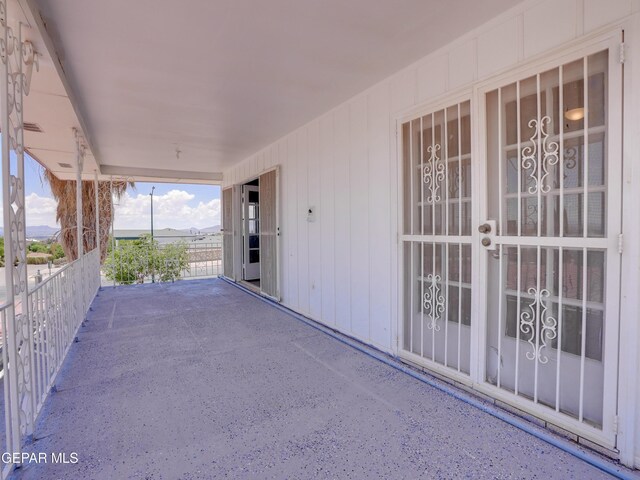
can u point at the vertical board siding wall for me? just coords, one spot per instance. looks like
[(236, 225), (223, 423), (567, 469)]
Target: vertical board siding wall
[(340, 266)]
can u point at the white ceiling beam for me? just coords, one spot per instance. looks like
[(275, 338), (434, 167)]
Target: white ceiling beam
[(35, 21), (161, 174)]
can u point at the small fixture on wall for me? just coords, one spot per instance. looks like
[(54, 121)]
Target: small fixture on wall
[(311, 214), (574, 114)]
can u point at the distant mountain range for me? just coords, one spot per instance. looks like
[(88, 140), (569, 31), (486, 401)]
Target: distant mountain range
[(44, 231), (37, 231), (214, 229)]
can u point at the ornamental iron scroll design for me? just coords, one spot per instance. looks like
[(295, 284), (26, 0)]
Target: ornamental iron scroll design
[(433, 301), (538, 324), (17, 59), (540, 147), (433, 173)]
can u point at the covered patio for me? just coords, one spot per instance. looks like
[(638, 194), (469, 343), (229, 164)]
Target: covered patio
[(415, 192), (199, 379)]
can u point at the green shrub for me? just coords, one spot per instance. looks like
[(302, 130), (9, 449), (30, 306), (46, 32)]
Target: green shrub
[(38, 247), (38, 260), (56, 251), (133, 261)]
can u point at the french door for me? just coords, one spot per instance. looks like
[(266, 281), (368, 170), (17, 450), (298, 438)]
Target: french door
[(437, 238), (251, 232), (512, 285)]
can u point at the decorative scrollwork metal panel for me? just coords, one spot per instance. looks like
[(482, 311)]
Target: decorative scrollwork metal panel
[(433, 301), (538, 324), (537, 162), (17, 61), (433, 173)]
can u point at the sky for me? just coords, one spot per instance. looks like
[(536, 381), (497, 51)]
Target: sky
[(174, 205)]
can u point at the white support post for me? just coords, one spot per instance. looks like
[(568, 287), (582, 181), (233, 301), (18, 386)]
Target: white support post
[(79, 165), (96, 188), (17, 60), (113, 236), (10, 201), (80, 148)]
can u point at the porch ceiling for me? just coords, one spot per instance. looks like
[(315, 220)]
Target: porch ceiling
[(219, 80)]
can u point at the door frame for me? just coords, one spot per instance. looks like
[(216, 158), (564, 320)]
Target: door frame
[(238, 225), (610, 39)]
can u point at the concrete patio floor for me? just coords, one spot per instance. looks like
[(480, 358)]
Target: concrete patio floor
[(198, 380)]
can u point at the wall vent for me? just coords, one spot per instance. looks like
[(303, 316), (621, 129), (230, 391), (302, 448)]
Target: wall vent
[(65, 165), (32, 127)]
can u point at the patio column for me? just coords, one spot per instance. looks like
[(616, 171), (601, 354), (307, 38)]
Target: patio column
[(96, 188), (80, 286), (79, 164), (113, 235), (17, 61)]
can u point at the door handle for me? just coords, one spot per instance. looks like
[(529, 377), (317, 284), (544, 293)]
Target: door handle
[(489, 231), (484, 228)]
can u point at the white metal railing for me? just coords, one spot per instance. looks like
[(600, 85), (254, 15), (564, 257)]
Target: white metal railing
[(56, 312), (40, 340), (4, 309), (132, 262)]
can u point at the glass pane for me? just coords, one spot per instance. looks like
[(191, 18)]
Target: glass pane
[(416, 180), (573, 97), (430, 155), (596, 215), (406, 177), (441, 196)]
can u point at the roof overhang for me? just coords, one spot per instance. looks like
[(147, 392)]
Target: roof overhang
[(181, 91)]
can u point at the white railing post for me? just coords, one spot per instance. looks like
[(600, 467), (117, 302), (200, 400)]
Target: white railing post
[(18, 59)]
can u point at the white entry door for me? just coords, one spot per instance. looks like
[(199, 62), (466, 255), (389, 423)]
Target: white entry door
[(437, 239), (251, 232), (510, 253), (553, 143)]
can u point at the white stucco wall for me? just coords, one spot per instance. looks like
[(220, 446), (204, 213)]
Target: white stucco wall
[(341, 269)]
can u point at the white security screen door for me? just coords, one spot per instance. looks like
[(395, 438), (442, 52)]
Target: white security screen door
[(512, 286), (437, 239), (551, 242)]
